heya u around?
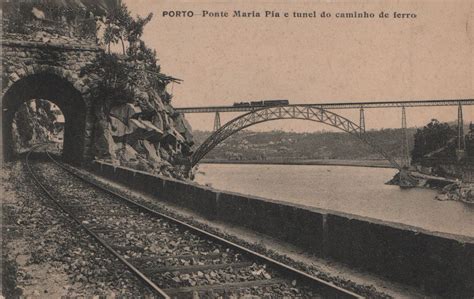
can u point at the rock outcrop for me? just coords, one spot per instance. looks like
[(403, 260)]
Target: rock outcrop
[(146, 135), (457, 191)]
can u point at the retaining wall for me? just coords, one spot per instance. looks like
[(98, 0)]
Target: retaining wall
[(438, 263)]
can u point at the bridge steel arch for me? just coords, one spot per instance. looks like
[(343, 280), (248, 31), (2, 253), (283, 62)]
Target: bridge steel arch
[(303, 112)]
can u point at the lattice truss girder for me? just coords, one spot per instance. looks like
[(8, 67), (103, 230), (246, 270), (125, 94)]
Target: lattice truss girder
[(312, 113)]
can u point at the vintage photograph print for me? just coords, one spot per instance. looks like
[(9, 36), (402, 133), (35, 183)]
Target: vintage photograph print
[(237, 149)]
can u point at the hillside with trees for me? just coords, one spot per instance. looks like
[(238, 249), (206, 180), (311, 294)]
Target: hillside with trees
[(435, 140)]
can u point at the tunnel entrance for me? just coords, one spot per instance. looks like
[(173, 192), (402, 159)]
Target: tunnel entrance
[(47, 87)]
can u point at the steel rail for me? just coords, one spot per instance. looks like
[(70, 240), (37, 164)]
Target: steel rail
[(327, 288), (346, 105), (132, 268)]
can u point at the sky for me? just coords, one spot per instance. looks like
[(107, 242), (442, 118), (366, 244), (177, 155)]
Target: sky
[(223, 60)]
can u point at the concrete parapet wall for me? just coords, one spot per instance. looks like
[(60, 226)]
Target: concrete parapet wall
[(438, 263)]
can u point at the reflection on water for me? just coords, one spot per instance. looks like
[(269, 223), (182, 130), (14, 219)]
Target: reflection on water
[(354, 190)]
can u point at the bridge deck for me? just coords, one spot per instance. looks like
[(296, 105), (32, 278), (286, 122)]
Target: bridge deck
[(347, 105)]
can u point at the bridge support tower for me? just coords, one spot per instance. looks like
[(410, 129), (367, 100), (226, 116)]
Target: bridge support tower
[(405, 152), (461, 141), (362, 121), (460, 152), (217, 122)]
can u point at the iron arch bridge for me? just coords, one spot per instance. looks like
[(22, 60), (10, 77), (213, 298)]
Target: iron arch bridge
[(303, 112)]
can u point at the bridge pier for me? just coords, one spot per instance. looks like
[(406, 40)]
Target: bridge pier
[(405, 152), (461, 141), (362, 121), (217, 121), (460, 152)]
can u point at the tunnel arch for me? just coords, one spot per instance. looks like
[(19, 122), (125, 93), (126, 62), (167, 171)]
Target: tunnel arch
[(60, 91), (302, 112)]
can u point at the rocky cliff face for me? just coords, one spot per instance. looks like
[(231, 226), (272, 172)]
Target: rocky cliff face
[(145, 134), (136, 125)]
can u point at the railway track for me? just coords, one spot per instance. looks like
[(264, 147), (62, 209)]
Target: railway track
[(172, 258)]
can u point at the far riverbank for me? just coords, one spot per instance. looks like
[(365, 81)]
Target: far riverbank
[(330, 162)]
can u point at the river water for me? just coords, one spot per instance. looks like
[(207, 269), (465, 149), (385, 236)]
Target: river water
[(354, 190)]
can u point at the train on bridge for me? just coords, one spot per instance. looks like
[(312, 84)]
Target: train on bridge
[(262, 103)]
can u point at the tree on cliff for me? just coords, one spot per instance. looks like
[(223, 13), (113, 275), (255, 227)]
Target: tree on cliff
[(434, 139), (127, 76), (121, 27)]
